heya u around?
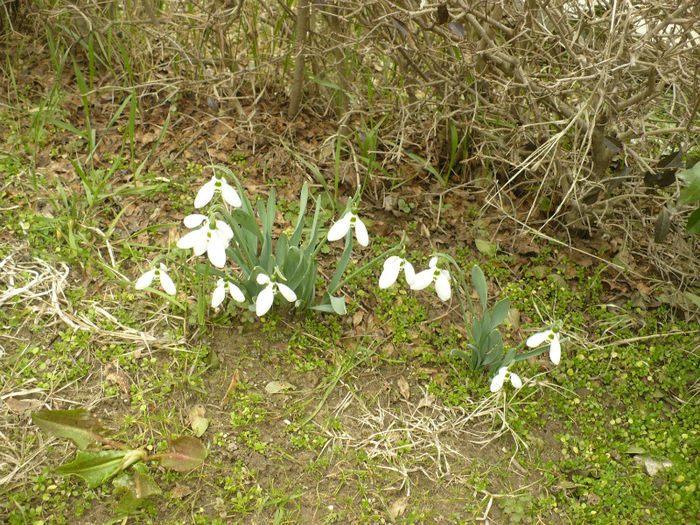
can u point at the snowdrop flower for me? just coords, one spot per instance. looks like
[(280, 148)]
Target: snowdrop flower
[(222, 286), (159, 274), (550, 337), (217, 184), (436, 275), (392, 268), (342, 227), (208, 238), (501, 376), (267, 295)]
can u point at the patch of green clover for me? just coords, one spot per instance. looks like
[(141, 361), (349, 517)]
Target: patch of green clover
[(247, 408), (242, 490), (251, 439), (60, 501), (402, 312), (305, 438)]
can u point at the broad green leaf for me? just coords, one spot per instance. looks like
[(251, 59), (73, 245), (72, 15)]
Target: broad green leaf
[(499, 313), (185, 453), (96, 467), (136, 485), (479, 282), (77, 425), (693, 225), (490, 249), (692, 192)]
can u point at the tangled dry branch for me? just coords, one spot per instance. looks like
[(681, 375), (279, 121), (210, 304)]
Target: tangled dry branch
[(558, 107)]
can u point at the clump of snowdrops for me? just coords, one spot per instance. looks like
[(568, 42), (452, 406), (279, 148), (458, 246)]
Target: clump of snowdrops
[(247, 265)]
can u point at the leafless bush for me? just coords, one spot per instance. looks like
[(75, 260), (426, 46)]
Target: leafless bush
[(558, 107)]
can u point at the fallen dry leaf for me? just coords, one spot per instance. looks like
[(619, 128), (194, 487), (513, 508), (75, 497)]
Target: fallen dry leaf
[(404, 389), (180, 491), (235, 380), (196, 420), (427, 401), (398, 507), (115, 374), (278, 387), (22, 405)]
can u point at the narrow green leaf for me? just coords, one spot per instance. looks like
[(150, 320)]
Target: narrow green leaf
[(499, 312), (456, 352), (479, 282), (342, 264), (77, 425), (299, 228)]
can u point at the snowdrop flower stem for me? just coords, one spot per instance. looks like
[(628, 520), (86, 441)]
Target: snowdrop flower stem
[(376, 261)]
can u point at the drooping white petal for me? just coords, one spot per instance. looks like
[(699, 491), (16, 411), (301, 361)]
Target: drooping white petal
[(145, 280), (515, 380), (194, 220), (230, 195), (224, 230), (216, 251), (191, 239), (236, 293), (539, 338), (423, 279), (409, 272), (497, 381), (340, 228), (166, 282), (432, 263), (361, 232), (264, 300), (392, 267), (262, 279), (287, 292), (442, 285), (555, 350), (219, 293), (205, 193)]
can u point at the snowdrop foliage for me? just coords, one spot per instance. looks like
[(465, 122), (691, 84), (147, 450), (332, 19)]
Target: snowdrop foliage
[(267, 295), (341, 228), (159, 274), (212, 238), (223, 286), (392, 268), (217, 184), (433, 274), (548, 336), (501, 376)]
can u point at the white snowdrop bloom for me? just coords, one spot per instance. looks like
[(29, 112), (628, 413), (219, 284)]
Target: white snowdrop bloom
[(159, 274), (548, 336), (392, 268), (222, 286), (217, 184), (267, 295), (210, 238), (433, 274), (342, 227), (501, 376)]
